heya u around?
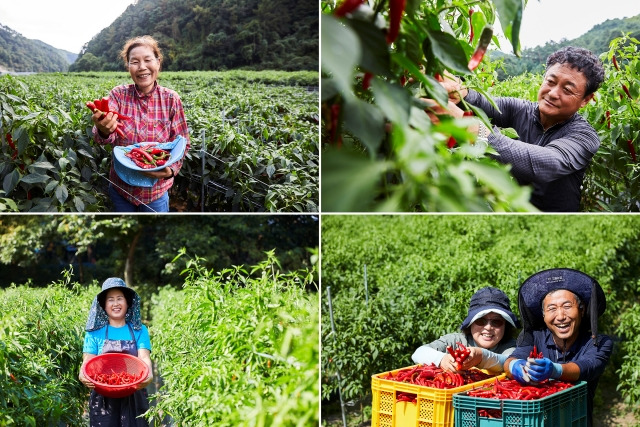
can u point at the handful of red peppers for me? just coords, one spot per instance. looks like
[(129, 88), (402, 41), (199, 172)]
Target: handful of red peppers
[(148, 157), (103, 105), (459, 354)]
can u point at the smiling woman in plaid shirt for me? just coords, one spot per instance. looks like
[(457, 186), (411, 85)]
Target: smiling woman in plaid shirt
[(157, 115)]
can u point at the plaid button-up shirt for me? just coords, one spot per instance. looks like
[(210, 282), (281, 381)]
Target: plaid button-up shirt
[(157, 116)]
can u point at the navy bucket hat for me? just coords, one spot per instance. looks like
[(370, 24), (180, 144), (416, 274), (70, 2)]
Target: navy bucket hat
[(535, 288), (490, 300)]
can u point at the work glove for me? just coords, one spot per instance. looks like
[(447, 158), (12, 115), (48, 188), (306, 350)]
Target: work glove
[(543, 369), (518, 371)]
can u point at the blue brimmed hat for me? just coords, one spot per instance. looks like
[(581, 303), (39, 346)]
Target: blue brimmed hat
[(535, 288), (490, 300), (98, 318)]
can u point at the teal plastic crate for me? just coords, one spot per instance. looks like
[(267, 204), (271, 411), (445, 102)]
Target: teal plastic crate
[(567, 408)]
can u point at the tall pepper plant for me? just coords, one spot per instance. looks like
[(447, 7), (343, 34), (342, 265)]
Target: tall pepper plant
[(612, 183), (380, 61)]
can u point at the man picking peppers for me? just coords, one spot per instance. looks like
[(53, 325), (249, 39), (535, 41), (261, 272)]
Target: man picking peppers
[(560, 309), (555, 144)]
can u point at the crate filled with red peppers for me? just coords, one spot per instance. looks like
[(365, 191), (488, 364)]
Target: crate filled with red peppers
[(507, 403), (421, 395)]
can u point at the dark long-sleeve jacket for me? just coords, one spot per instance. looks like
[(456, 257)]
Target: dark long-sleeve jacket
[(553, 161)]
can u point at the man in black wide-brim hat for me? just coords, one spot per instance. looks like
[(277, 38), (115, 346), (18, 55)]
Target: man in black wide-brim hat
[(560, 309)]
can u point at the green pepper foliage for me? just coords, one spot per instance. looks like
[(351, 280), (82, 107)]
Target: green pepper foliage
[(238, 347), (41, 336)]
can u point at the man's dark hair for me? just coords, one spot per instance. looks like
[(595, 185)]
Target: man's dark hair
[(582, 60)]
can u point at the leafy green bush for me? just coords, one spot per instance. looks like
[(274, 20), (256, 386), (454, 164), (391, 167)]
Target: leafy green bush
[(238, 347), (40, 353), (422, 271)]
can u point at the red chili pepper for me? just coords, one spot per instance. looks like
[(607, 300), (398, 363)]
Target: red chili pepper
[(608, 114), (12, 145), (347, 6), (632, 150), (483, 44), (366, 80), (451, 142), (626, 90), (103, 105), (471, 26), (615, 63), (534, 353), (396, 9)]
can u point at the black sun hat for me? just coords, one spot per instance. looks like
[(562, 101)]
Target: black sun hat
[(536, 287)]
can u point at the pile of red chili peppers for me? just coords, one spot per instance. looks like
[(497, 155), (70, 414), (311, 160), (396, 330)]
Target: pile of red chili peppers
[(103, 105), (119, 378), (512, 389), (435, 377), (147, 158)]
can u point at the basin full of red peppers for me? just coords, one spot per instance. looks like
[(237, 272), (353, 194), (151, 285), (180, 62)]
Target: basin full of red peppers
[(148, 157), (103, 105)]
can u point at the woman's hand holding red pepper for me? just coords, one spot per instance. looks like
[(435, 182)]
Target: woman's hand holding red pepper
[(473, 359), (103, 117), (106, 124), (448, 363)]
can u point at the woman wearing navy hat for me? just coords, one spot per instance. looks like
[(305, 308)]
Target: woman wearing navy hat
[(560, 309), (487, 331), (114, 326)]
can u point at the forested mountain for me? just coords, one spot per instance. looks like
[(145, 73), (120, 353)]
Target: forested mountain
[(214, 35), (596, 40), (18, 53)]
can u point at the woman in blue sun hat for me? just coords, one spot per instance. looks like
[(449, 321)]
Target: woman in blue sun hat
[(114, 326), (488, 331), (560, 309)]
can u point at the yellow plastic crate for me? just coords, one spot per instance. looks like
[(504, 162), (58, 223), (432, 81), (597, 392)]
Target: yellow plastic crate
[(434, 407)]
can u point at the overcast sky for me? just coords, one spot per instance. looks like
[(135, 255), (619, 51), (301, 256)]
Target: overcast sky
[(64, 24), (553, 20), (68, 24)]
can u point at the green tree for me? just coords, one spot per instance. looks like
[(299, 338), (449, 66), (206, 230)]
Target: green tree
[(87, 62)]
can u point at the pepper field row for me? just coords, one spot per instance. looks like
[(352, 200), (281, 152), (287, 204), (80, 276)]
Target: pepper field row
[(260, 138)]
